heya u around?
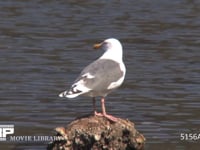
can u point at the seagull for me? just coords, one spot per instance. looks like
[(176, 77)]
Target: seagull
[(101, 77)]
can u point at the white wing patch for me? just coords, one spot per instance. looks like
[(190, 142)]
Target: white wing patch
[(116, 84), (77, 88), (80, 87), (88, 75), (73, 92)]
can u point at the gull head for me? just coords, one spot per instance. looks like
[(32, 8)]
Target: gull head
[(109, 44), (112, 47)]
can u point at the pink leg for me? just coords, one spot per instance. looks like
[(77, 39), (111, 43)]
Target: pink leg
[(110, 117)]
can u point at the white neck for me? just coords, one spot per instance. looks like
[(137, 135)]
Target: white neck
[(117, 56)]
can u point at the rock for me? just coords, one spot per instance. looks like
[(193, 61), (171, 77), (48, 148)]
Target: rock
[(98, 133)]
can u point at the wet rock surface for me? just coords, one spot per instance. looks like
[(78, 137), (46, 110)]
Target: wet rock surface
[(98, 133)]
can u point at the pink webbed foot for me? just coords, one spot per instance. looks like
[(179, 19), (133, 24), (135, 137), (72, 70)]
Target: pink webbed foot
[(109, 117), (98, 114), (103, 114)]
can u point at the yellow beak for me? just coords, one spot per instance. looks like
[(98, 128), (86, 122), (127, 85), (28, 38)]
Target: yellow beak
[(96, 46)]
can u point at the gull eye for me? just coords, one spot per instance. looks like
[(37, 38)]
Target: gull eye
[(106, 45)]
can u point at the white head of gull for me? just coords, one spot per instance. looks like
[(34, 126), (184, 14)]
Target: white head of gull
[(101, 76)]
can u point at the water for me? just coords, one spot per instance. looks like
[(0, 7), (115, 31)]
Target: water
[(45, 44)]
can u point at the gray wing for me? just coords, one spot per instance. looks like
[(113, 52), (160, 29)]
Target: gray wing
[(103, 72)]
